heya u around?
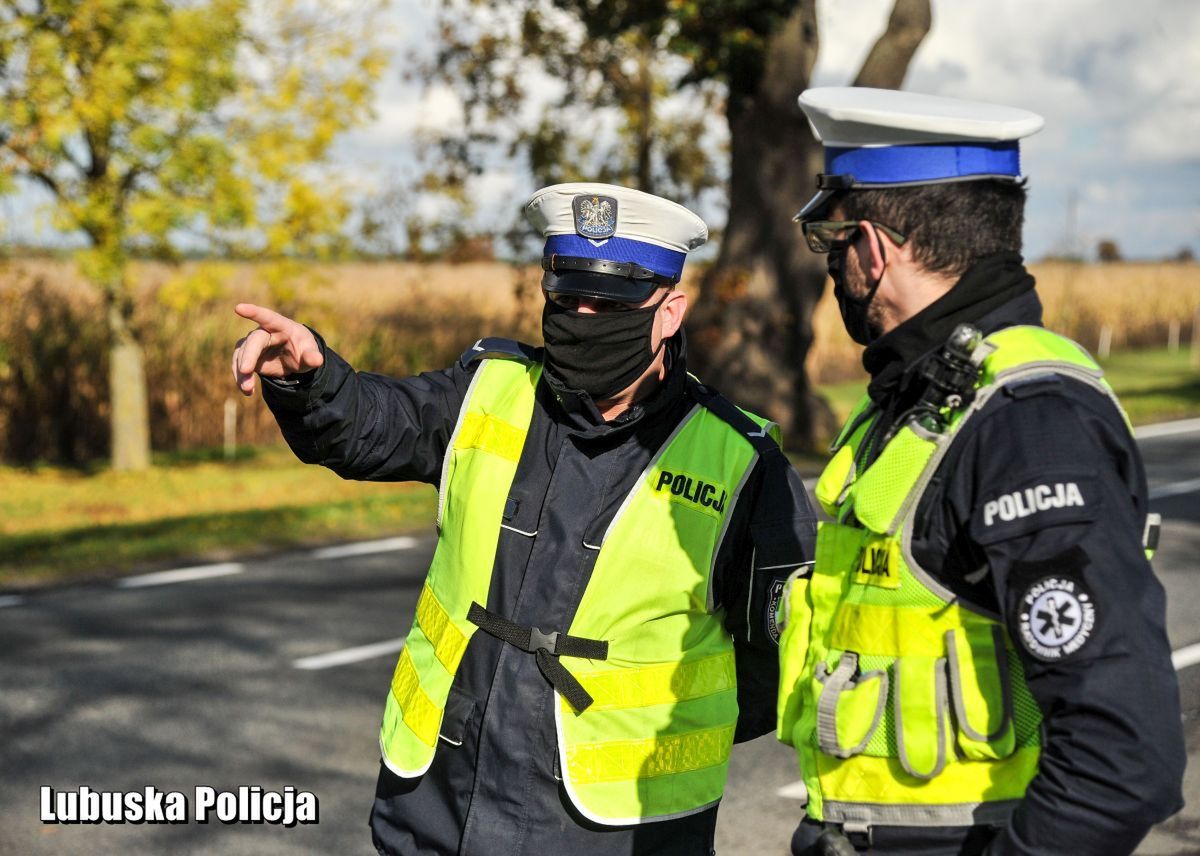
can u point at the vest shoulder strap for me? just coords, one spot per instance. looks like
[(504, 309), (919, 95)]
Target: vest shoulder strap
[(1026, 346), (763, 437), (495, 347), (1020, 354)]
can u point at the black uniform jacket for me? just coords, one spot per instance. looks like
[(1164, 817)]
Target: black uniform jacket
[(1112, 747), (494, 787)]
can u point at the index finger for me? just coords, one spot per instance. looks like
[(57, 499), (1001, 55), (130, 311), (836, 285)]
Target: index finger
[(269, 320)]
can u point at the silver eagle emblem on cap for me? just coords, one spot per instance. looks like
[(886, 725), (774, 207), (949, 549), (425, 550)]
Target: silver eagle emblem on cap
[(595, 216)]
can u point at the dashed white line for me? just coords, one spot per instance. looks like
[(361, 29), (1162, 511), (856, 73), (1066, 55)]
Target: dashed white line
[(794, 791), (182, 575), (1189, 655), (349, 655), (1175, 489), (1167, 429), (364, 548), (11, 600)]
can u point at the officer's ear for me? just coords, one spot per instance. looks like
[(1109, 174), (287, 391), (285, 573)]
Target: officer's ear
[(671, 313), (874, 248)]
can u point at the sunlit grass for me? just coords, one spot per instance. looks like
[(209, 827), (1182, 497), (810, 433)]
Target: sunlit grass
[(56, 522), (1155, 385)]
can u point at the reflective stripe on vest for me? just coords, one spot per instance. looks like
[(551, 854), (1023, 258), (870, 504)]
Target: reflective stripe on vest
[(907, 705), (655, 743)]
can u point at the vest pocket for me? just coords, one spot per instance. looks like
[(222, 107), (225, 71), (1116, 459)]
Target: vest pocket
[(920, 711), (850, 706), (980, 686)]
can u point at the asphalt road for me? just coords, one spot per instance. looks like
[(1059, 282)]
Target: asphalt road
[(241, 675)]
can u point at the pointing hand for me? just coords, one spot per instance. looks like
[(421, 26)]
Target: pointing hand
[(276, 348)]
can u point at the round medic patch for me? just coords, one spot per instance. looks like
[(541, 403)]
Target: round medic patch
[(1057, 617)]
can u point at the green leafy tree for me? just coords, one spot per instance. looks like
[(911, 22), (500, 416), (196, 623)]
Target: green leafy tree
[(161, 126), (640, 88)]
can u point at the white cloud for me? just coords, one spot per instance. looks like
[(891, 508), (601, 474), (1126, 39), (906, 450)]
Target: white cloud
[(409, 111)]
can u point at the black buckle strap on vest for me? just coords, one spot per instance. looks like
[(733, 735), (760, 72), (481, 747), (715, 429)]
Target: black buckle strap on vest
[(546, 649)]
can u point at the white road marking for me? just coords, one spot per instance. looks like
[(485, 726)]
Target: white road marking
[(349, 655), (1189, 655), (1175, 489), (364, 548), (1167, 429), (794, 791), (11, 600), (182, 575)]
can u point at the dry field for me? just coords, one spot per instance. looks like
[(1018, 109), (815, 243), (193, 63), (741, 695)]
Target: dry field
[(396, 318), (1137, 301)]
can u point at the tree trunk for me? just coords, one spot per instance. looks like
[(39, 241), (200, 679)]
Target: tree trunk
[(127, 391), (645, 126), (753, 322)]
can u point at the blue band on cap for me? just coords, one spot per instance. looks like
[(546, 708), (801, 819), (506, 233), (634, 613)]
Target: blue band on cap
[(895, 164), (656, 258)]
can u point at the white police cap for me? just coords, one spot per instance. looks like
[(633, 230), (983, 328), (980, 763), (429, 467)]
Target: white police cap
[(603, 240), (880, 138)]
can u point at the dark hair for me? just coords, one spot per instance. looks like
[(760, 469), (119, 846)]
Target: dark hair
[(950, 225)]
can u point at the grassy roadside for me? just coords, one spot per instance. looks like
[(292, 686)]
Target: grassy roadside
[(1155, 385), (60, 524)]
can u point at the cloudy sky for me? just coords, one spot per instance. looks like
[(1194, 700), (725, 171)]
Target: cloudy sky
[(1117, 82)]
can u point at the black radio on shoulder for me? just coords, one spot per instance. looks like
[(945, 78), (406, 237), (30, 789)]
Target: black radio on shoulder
[(950, 376)]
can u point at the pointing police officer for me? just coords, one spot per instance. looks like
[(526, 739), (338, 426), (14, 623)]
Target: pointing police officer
[(582, 654), (978, 660)]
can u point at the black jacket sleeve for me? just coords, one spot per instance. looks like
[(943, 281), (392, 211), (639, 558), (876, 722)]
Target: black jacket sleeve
[(367, 426), (771, 535), (1053, 494)]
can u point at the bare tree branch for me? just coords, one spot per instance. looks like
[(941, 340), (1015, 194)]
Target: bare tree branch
[(32, 170), (47, 181), (887, 63)]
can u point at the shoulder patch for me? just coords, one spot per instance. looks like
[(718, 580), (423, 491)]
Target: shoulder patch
[(1056, 617), (504, 349)]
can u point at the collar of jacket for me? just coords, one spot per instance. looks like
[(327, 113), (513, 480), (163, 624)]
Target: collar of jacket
[(576, 408), (994, 292)]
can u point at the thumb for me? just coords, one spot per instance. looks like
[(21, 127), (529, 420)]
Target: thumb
[(311, 358)]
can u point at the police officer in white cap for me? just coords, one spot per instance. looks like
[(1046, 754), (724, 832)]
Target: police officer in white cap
[(978, 660), (581, 657)]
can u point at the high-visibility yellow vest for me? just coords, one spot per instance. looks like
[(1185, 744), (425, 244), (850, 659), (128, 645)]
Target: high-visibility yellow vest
[(905, 704), (655, 741)]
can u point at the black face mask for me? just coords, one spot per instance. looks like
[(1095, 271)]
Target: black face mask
[(854, 309), (600, 353)]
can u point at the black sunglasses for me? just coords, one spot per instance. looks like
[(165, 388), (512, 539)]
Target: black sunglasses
[(822, 235)]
